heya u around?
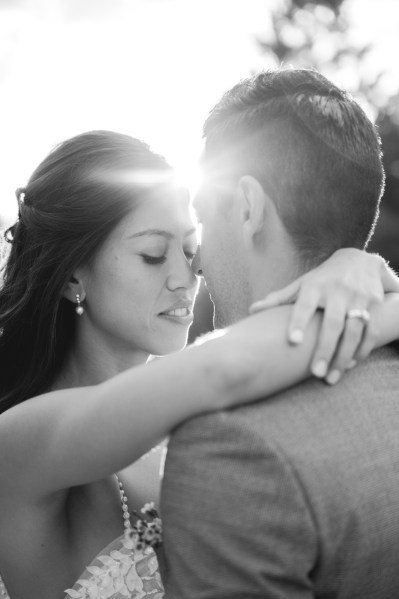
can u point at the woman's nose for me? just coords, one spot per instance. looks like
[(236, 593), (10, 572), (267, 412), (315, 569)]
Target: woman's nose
[(183, 276)]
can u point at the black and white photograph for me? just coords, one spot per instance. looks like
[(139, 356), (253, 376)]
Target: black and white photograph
[(199, 299)]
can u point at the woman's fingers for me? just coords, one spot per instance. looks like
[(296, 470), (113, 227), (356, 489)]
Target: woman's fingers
[(331, 329), (348, 284), (302, 312), (307, 302), (287, 295), (358, 339), (346, 354), (369, 339)]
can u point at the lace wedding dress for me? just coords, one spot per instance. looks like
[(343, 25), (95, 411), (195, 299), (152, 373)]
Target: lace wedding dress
[(119, 572), (127, 568)]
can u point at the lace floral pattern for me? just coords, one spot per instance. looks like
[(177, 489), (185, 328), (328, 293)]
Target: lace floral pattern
[(120, 572)]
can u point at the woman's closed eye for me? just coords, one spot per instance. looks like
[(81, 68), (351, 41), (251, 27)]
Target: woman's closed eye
[(149, 259), (157, 259)]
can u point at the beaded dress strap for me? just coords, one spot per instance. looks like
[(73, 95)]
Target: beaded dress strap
[(147, 530), (128, 529)]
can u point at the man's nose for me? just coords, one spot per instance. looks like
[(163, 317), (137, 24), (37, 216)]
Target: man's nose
[(196, 263)]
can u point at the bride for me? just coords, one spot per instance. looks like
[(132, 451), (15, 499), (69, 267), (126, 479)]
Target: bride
[(98, 279)]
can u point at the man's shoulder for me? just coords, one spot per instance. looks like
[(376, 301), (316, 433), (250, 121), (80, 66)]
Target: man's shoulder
[(379, 370), (316, 411), (318, 457), (312, 414)]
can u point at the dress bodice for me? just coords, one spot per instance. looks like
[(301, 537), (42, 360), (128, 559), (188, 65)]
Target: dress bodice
[(120, 572), (126, 569)]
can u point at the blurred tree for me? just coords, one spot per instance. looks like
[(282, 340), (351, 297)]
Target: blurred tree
[(318, 34)]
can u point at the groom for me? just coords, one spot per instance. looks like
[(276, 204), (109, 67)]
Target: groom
[(297, 496)]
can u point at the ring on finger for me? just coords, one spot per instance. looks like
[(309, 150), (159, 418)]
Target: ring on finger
[(363, 315)]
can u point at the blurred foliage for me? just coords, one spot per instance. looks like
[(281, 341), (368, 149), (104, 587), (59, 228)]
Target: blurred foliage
[(318, 34)]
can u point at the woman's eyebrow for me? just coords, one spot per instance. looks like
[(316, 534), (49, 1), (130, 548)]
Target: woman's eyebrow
[(161, 232)]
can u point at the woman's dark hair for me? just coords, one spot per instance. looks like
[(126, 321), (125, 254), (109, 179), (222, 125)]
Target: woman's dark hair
[(72, 202)]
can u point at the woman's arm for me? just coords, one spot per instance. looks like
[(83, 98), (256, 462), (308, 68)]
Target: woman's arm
[(74, 436), (288, 364)]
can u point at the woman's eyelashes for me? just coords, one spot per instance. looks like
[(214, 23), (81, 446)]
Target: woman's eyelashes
[(157, 260), (154, 259)]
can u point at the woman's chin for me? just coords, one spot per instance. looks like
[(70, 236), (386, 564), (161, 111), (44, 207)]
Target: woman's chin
[(170, 345)]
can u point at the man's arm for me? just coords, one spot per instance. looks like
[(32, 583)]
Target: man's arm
[(236, 522)]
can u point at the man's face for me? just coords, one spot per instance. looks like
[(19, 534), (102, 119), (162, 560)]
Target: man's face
[(222, 255)]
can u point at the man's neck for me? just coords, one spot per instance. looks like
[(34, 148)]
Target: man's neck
[(273, 277)]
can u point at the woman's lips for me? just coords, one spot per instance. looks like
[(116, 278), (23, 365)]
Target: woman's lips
[(177, 312), (182, 315)]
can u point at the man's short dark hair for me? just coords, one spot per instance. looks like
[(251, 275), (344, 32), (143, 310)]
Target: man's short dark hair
[(311, 147)]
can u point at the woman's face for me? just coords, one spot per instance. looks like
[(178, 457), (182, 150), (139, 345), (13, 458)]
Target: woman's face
[(140, 291)]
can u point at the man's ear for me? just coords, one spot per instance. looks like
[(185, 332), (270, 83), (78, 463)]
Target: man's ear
[(252, 208), (73, 288)]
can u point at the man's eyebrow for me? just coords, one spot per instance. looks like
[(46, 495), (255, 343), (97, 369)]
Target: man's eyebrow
[(161, 232)]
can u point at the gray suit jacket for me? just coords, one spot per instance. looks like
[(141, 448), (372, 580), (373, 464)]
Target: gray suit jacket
[(293, 497)]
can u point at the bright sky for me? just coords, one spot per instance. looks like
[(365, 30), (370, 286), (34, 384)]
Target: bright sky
[(151, 68)]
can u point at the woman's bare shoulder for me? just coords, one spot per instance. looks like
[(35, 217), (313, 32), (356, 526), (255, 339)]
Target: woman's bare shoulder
[(27, 436)]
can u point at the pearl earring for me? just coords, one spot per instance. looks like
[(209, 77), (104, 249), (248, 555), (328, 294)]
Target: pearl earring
[(79, 308)]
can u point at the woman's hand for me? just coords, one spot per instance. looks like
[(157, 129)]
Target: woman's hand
[(346, 287)]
